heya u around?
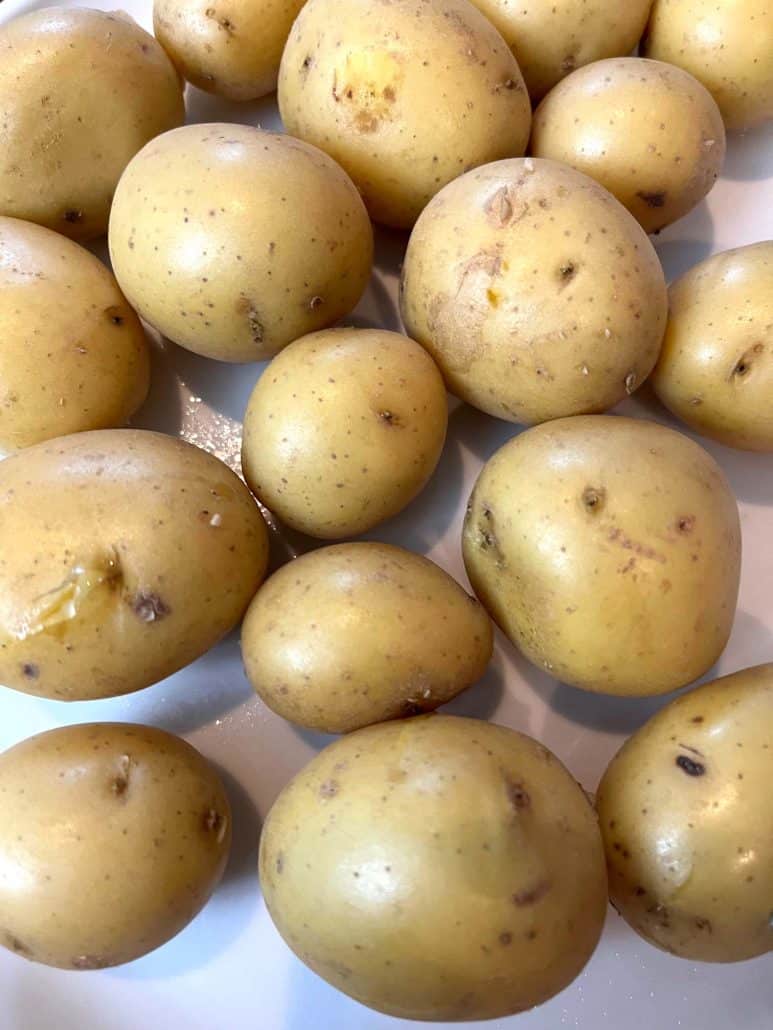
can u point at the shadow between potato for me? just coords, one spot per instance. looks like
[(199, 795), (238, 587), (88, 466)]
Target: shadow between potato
[(686, 242), (202, 108), (748, 154)]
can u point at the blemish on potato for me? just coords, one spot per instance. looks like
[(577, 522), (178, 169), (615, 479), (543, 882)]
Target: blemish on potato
[(280, 862), (652, 199), (149, 607), (328, 789), (593, 499), (30, 670), (119, 785), (630, 382), (689, 766), (115, 315), (517, 795), (505, 938), (11, 941), (73, 215), (685, 524), (90, 962), (531, 895)]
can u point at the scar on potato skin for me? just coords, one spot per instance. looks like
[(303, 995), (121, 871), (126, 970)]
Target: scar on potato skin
[(517, 796), (531, 895), (743, 364), (652, 199), (245, 306), (10, 940), (690, 767), (149, 607), (212, 821), (30, 671), (328, 789), (593, 499)]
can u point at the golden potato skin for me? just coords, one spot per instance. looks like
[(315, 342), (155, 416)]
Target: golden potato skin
[(436, 868), (117, 835), (728, 46), (608, 549), (715, 370), (535, 291), (74, 355), (405, 94), (684, 808), (231, 47), (232, 241), (355, 634), (648, 132), (343, 430), (81, 92), (124, 555)]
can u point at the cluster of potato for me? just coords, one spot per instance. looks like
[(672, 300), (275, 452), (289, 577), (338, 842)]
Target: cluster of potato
[(606, 549)]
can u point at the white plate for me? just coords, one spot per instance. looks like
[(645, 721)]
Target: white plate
[(230, 970)]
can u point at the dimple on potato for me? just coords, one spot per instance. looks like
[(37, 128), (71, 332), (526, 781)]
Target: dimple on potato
[(715, 370), (437, 868), (232, 241), (650, 133), (535, 291), (360, 633), (124, 555), (684, 808), (609, 550), (405, 94), (115, 835), (81, 91)]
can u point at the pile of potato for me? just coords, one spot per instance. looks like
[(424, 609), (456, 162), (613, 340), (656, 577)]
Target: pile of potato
[(431, 866)]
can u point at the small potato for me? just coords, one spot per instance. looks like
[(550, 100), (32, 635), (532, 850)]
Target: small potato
[(405, 94), (343, 430), (437, 868), (232, 241), (124, 555), (359, 633), (716, 367), (112, 838), (535, 291), (74, 355), (81, 92), (685, 811), (648, 132), (609, 550)]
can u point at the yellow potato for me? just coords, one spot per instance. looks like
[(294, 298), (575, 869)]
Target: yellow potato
[(233, 242), (437, 868), (359, 633), (124, 555), (81, 92), (716, 367), (535, 291), (685, 812), (648, 132), (112, 838), (608, 549), (406, 94)]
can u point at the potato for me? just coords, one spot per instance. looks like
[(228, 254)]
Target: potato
[(343, 430), (231, 48), (112, 838), (360, 633), (647, 131), (716, 367), (406, 94), (685, 812), (726, 45), (81, 92), (436, 868), (535, 291), (608, 549), (233, 242), (124, 555)]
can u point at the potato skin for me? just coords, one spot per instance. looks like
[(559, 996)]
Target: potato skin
[(684, 808), (648, 132), (355, 634), (117, 833), (124, 555), (81, 92), (362, 851), (715, 370), (343, 430), (535, 291), (405, 94), (608, 549)]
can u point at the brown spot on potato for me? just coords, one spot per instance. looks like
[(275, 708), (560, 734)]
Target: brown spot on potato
[(656, 198), (689, 766), (505, 938), (517, 796), (743, 365), (566, 272), (149, 607), (685, 524), (73, 215), (593, 498), (115, 315), (328, 789), (389, 418), (10, 940), (280, 862), (569, 63), (30, 671), (703, 924), (697, 718), (531, 895), (119, 785)]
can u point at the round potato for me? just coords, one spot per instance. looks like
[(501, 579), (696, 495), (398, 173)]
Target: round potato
[(81, 92), (231, 48), (716, 367), (124, 555), (343, 430), (115, 836), (437, 868), (74, 354), (685, 812), (647, 131), (535, 291), (726, 45), (609, 550), (360, 633), (232, 241), (406, 94)]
